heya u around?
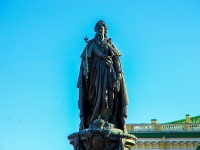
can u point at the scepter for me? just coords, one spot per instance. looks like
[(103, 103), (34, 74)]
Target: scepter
[(86, 58)]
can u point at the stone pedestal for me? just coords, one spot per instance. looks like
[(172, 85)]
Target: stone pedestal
[(102, 136)]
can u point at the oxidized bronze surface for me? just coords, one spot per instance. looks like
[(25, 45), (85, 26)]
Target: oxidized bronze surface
[(102, 90)]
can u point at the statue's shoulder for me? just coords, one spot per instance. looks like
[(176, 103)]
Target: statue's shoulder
[(112, 47), (88, 49)]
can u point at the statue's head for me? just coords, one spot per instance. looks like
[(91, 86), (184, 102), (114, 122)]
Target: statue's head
[(101, 28)]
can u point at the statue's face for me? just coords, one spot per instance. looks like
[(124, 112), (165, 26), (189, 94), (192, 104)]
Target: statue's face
[(100, 30)]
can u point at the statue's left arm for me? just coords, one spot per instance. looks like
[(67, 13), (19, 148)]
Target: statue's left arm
[(118, 68), (118, 71)]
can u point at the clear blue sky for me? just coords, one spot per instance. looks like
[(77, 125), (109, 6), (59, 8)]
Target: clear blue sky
[(40, 46)]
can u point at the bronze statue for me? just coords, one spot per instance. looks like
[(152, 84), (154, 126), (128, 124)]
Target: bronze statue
[(103, 98), (102, 90)]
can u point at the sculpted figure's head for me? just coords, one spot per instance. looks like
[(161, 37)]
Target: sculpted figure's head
[(100, 28)]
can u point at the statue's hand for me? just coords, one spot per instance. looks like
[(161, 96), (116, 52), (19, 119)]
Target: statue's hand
[(85, 72), (119, 76), (117, 86)]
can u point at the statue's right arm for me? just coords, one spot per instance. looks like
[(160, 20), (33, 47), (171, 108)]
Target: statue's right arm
[(86, 55)]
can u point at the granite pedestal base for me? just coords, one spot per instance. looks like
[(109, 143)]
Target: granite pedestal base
[(102, 136)]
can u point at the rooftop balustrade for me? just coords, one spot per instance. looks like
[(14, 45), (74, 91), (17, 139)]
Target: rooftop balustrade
[(163, 127)]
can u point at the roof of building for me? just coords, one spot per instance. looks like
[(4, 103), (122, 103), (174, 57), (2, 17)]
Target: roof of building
[(195, 119), (173, 129)]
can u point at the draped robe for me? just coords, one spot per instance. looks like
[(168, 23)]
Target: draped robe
[(97, 94)]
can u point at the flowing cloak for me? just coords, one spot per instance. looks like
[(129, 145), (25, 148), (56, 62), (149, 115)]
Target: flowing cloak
[(92, 93)]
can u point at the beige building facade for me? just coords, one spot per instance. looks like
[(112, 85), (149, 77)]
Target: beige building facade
[(180, 134)]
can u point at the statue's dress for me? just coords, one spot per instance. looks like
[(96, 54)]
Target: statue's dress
[(97, 94)]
